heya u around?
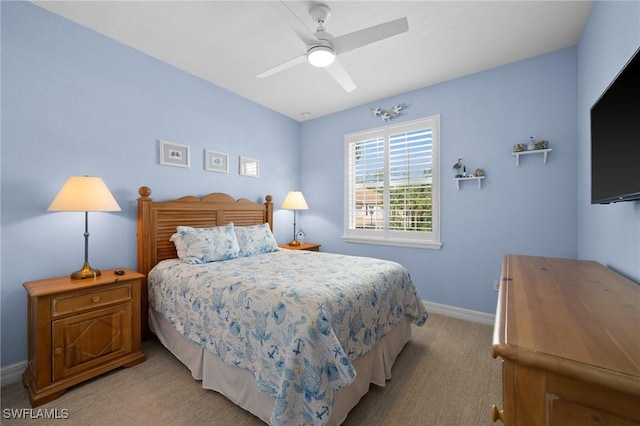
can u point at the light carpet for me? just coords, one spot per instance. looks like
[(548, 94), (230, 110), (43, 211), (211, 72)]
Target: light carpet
[(444, 376)]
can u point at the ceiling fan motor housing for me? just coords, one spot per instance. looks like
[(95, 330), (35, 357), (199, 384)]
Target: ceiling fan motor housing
[(321, 54)]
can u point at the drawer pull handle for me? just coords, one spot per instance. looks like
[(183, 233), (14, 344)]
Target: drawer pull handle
[(58, 351), (496, 414), (96, 299)]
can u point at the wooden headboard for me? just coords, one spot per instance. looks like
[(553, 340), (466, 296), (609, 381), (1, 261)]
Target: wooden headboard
[(157, 221)]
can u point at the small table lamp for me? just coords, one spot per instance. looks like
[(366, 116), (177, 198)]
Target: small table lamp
[(294, 201), (84, 194)]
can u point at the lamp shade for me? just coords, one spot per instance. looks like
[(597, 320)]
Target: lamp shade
[(295, 201), (84, 194)]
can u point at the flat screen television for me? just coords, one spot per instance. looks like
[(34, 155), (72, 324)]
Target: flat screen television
[(615, 138)]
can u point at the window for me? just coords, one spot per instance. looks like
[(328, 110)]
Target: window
[(392, 185)]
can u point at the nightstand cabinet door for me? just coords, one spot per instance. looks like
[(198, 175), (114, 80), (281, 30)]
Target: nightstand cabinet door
[(84, 341)]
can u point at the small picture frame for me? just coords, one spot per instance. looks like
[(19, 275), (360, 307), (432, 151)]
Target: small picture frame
[(249, 167), (215, 161), (174, 154)]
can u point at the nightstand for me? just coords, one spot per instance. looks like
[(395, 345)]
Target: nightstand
[(302, 246), (79, 329)]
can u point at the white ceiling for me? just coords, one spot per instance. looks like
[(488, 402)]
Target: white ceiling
[(230, 42)]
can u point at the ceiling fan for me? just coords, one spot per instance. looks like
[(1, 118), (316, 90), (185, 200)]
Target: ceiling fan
[(323, 48)]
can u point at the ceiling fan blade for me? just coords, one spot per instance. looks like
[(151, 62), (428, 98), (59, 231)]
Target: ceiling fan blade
[(360, 38), (339, 73), (290, 63), (298, 27)]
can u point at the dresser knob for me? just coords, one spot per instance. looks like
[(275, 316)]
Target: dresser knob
[(58, 351), (96, 299), (496, 414)]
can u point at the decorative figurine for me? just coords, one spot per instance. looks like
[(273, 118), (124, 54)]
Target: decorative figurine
[(542, 144), (458, 166)]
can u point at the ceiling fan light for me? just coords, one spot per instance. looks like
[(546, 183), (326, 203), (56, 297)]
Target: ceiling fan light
[(321, 56)]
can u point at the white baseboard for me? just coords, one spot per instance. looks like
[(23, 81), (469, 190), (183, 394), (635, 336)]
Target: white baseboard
[(12, 373), (460, 313)]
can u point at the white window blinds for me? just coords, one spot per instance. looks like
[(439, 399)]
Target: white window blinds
[(391, 184)]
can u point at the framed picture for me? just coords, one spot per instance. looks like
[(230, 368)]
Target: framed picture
[(215, 161), (249, 167), (174, 154)]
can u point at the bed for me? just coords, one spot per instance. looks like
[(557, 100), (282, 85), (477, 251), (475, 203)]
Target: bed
[(293, 337)]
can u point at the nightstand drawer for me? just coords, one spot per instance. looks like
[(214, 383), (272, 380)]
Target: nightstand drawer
[(78, 302)]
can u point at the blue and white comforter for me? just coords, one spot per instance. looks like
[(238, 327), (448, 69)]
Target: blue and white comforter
[(295, 319)]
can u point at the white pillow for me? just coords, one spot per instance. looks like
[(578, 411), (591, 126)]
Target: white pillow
[(255, 239), (203, 245)]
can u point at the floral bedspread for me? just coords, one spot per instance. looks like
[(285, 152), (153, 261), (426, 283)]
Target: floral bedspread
[(294, 318)]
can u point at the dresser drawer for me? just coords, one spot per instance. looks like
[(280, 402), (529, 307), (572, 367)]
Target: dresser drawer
[(82, 301)]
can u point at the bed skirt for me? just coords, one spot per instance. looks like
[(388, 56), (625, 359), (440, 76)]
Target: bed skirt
[(238, 384)]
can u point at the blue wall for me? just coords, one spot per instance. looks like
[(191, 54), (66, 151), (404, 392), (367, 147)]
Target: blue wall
[(607, 233), (529, 209), (74, 103)]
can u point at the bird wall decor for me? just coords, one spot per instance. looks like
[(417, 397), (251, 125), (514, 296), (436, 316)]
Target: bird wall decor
[(388, 115)]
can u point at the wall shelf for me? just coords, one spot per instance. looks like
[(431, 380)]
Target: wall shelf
[(478, 178), (535, 151)]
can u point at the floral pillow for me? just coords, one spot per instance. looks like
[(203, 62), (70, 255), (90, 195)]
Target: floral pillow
[(255, 239), (203, 245)]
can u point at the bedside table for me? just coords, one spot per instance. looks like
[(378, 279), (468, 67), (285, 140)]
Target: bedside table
[(302, 246), (79, 329)]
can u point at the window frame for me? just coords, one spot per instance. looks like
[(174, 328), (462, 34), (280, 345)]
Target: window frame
[(415, 239)]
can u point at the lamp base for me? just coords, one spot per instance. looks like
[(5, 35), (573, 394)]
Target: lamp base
[(86, 272), (294, 243)]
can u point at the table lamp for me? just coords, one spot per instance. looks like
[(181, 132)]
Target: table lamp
[(294, 201), (84, 194)]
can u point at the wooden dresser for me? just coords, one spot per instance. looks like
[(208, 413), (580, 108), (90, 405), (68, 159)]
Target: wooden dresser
[(568, 334), (79, 329)]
